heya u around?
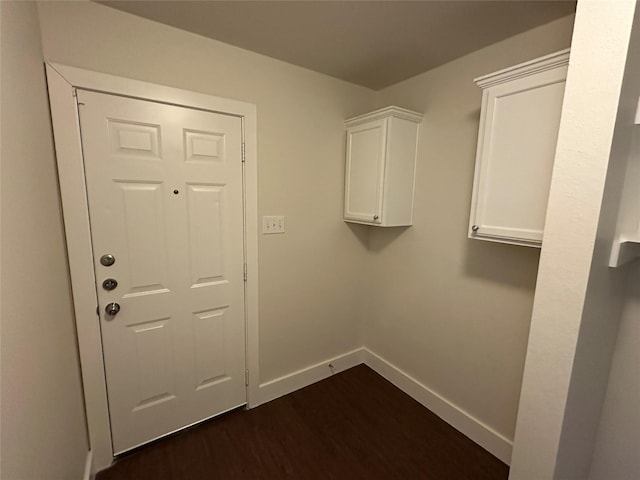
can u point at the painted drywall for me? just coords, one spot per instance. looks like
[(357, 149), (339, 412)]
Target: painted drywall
[(578, 298), (452, 312), (616, 453), (43, 425), (309, 280), (617, 445)]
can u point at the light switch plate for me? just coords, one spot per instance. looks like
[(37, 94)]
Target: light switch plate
[(272, 224)]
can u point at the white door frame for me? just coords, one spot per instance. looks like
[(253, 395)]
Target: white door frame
[(63, 81)]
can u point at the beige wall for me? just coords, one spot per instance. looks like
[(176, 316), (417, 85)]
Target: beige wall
[(309, 288), (616, 452), (43, 424), (452, 312)]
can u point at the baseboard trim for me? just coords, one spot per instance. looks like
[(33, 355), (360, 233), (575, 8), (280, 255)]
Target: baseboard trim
[(462, 421), (302, 378), (482, 434), (88, 467)]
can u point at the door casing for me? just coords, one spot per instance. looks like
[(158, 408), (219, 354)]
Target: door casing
[(62, 82)]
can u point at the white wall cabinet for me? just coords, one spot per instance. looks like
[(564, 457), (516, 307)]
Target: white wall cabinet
[(519, 123), (626, 245), (380, 167)]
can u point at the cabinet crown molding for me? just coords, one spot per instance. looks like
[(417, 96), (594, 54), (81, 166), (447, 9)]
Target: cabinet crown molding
[(382, 148), (391, 111), (548, 62)]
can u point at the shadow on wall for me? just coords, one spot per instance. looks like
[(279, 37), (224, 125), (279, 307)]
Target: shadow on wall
[(502, 263), (633, 282), (474, 117), (495, 262), (361, 232), (384, 236)]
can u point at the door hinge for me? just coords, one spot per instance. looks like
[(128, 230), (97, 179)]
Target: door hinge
[(244, 272), (75, 95), (246, 378), (244, 152)]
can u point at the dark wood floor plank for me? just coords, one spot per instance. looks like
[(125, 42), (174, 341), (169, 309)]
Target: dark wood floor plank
[(354, 425)]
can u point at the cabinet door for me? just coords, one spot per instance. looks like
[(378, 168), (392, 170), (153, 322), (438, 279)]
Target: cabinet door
[(517, 142), (366, 146)]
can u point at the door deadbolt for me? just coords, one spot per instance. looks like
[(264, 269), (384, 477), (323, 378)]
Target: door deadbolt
[(112, 309), (110, 284), (107, 260)]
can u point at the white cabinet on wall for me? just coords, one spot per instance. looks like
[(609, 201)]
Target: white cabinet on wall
[(626, 245), (519, 123), (380, 170)]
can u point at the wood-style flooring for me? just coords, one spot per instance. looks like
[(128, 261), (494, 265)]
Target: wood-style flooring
[(354, 425)]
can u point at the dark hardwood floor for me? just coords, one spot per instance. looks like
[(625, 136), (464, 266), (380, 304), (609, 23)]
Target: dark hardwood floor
[(354, 425)]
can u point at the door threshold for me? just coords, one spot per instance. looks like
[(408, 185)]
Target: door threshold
[(176, 432)]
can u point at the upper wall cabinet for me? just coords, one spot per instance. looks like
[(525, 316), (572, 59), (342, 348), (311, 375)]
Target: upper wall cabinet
[(519, 123), (381, 163), (626, 244)]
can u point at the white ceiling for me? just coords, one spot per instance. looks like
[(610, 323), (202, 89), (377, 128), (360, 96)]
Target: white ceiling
[(370, 43)]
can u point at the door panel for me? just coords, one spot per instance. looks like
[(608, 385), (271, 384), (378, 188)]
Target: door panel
[(206, 246), (150, 341), (145, 240), (366, 145), (209, 339), (164, 185)]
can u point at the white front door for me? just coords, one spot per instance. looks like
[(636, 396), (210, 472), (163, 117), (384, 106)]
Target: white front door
[(165, 192)]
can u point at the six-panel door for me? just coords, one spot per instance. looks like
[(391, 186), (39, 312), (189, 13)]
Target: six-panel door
[(164, 185)]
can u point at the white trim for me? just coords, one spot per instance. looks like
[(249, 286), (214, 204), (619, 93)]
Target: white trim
[(383, 113), (250, 126), (625, 248), (307, 376), (538, 65), (105, 83), (88, 467), (480, 433), (72, 189), (62, 81), (462, 421)]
